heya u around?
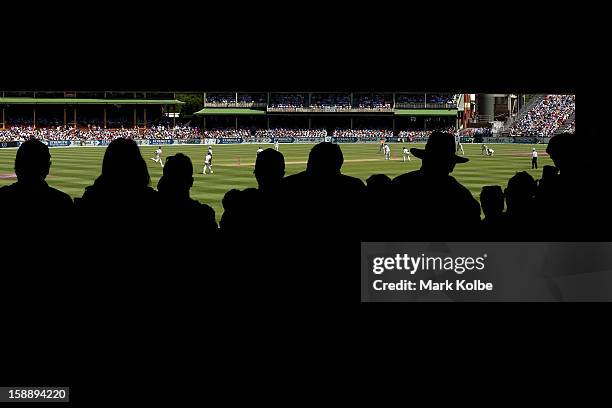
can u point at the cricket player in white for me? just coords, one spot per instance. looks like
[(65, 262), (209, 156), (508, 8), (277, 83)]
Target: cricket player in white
[(490, 151), (259, 150), (387, 151), (460, 147), (484, 149), (210, 150), (276, 145), (157, 158), (208, 163), (406, 154)]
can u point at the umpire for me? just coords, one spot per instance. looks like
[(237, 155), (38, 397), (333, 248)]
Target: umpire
[(534, 159)]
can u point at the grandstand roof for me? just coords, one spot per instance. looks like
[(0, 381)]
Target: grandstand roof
[(230, 111), (84, 101), (426, 112)]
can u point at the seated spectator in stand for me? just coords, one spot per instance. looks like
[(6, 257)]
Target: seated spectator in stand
[(446, 209), (173, 188), (31, 196)]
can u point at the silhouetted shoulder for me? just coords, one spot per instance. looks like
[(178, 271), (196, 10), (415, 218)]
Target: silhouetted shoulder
[(353, 181), (60, 197), (407, 177), (204, 210), (38, 195)]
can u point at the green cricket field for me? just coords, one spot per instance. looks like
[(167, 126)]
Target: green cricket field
[(75, 168)]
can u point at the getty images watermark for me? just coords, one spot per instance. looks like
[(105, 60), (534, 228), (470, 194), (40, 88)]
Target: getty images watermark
[(406, 264), (486, 271)]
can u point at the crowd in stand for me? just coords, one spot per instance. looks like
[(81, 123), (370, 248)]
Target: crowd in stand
[(289, 132), (331, 101), (420, 99), (286, 101), (545, 117), (187, 132), (227, 98), (252, 98), (471, 132), (410, 98), (178, 132), (367, 134), (16, 133), (440, 98), (411, 135), (229, 132), (373, 102)]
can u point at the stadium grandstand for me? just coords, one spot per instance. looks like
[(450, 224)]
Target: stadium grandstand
[(106, 110), (546, 116), (105, 115)]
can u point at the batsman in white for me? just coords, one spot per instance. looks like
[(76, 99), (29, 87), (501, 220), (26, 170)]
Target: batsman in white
[(387, 151), (276, 145)]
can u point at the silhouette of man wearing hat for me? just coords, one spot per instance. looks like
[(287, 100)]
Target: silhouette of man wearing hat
[(446, 209)]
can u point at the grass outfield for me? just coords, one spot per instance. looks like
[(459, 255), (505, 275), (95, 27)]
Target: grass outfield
[(75, 168)]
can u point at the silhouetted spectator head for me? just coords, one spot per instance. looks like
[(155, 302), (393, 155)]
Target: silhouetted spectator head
[(520, 192), (549, 172), (269, 168), (560, 149), (378, 182), (178, 175), (492, 200), (124, 166), (439, 156), (325, 159), (32, 161), (231, 200)]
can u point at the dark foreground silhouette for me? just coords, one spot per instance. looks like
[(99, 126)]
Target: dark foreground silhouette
[(319, 209), (129, 266)]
